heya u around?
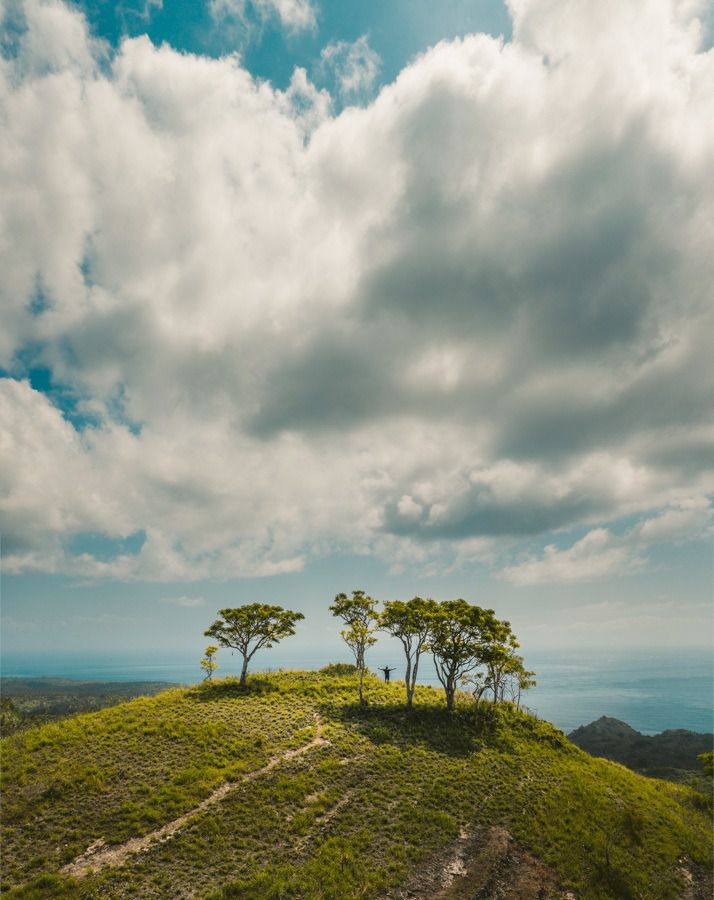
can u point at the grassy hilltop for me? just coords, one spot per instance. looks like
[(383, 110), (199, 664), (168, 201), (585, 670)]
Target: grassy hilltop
[(308, 795)]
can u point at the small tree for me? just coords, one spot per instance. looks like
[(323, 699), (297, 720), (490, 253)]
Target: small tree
[(411, 623), (458, 636), (499, 656), (208, 663), (518, 679), (478, 682), (249, 628), (359, 614)]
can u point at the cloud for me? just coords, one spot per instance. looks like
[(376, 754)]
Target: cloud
[(600, 553), (294, 15), (133, 11), (691, 519), (437, 327), (596, 555), (355, 66)]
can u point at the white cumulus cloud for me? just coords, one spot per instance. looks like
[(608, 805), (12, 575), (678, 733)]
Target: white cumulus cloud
[(472, 312)]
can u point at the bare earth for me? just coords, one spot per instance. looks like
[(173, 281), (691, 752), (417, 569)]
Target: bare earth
[(484, 864)]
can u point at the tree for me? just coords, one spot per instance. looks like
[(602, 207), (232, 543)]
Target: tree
[(411, 623), (249, 628), (519, 679), (208, 664), (504, 672), (458, 636), (499, 657), (358, 612), (479, 684), (10, 717)]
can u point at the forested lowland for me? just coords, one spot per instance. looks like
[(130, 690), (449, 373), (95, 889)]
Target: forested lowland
[(289, 787), (27, 702)]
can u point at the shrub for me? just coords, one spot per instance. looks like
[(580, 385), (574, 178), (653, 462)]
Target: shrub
[(338, 669)]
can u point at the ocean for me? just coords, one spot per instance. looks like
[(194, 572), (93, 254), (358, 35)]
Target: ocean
[(652, 691)]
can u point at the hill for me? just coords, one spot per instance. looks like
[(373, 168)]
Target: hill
[(290, 789), (662, 755)]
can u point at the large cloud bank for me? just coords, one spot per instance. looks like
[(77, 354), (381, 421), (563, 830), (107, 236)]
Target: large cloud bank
[(439, 327)]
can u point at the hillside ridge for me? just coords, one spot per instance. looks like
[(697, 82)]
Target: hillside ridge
[(671, 751), (211, 792)]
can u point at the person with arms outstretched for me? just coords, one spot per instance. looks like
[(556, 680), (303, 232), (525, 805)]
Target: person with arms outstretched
[(386, 671)]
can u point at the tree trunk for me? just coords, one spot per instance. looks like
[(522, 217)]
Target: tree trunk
[(244, 671), (450, 688), (412, 681), (361, 682)]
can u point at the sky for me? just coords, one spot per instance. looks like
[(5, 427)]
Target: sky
[(298, 297)]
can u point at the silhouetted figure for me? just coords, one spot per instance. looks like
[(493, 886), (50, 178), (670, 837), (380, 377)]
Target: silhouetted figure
[(386, 671)]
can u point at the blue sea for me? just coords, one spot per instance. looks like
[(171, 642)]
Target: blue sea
[(652, 691)]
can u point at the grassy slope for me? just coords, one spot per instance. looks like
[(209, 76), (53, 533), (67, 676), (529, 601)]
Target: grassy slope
[(346, 820)]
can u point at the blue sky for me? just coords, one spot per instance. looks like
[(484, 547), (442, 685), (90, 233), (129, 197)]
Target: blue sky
[(300, 297), (397, 31)]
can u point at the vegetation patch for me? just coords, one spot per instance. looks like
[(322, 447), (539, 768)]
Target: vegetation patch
[(393, 790)]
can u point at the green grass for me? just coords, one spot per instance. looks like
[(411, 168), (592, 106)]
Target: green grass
[(350, 819)]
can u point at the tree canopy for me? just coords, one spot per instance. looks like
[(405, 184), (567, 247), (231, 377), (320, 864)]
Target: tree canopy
[(468, 643), (249, 628), (411, 623), (459, 637), (359, 614), (208, 663)]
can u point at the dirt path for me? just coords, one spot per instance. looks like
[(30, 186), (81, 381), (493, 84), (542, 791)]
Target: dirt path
[(99, 855), (484, 864)]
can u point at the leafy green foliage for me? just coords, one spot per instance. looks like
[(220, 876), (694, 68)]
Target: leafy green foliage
[(249, 628), (339, 669), (359, 613), (411, 623), (208, 663), (10, 716), (462, 637)]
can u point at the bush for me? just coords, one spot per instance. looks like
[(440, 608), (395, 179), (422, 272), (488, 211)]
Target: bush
[(339, 669)]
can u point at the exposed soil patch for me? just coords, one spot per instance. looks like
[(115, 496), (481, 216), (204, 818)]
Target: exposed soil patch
[(483, 864), (698, 881), (99, 855)]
